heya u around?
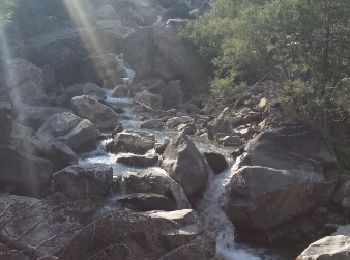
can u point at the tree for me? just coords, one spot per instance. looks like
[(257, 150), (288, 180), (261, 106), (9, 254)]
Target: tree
[(6, 7)]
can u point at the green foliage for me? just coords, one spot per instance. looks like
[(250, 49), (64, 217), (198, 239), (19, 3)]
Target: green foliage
[(6, 7), (303, 44)]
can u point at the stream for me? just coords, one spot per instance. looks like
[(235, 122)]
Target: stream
[(214, 219)]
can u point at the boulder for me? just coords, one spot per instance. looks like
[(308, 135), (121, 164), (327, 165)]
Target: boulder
[(35, 116), (136, 160), (221, 124), (216, 161), (146, 202), (24, 174), (328, 248), (112, 31), (155, 183), (25, 83), (152, 235), (79, 134), (82, 89), (84, 181), (41, 228), (186, 165), (90, 108), (105, 11), (285, 173), (132, 142), (153, 102)]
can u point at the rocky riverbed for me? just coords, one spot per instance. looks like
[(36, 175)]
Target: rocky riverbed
[(111, 149)]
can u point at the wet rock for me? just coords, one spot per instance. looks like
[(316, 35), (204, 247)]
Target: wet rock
[(185, 164), (217, 162), (7, 254), (35, 116), (291, 163), (155, 183), (25, 173), (84, 181), (134, 160), (147, 202), (79, 134), (89, 88), (331, 247), (88, 107), (120, 91), (341, 192), (25, 83), (137, 142), (160, 147), (148, 100)]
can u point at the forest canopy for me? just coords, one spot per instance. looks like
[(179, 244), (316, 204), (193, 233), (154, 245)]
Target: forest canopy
[(6, 7), (302, 44)]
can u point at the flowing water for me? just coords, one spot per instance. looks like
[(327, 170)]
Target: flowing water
[(214, 219)]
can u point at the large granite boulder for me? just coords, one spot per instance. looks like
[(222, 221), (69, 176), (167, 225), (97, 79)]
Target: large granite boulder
[(24, 173), (34, 117), (172, 94), (84, 181), (335, 247), (285, 173), (154, 183), (38, 228), (216, 161), (90, 108), (186, 165), (25, 83), (79, 134), (137, 160), (152, 235)]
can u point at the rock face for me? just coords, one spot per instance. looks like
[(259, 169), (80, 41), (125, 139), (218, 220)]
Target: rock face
[(137, 142), (79, 134), (81, 182), (185, 164), (25, 82), (285, 173), (328, 248), (173, 95), (149, 100), (89, 108), (24, 173), (146, 202), (217, 162)]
